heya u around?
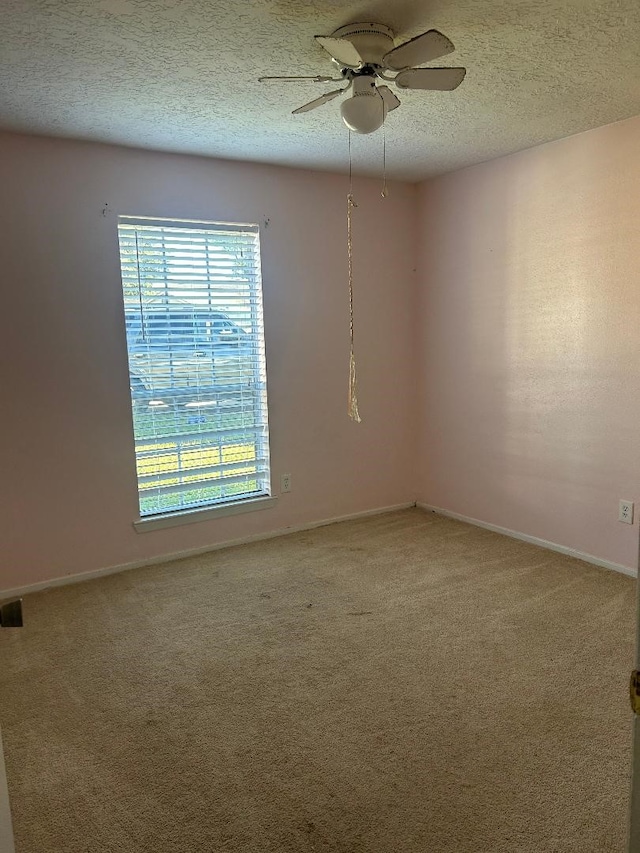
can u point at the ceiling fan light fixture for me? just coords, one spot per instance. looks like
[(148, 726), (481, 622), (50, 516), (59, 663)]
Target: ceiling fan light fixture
[(364, 111)]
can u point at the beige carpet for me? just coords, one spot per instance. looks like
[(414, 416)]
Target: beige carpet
[(400, 683)]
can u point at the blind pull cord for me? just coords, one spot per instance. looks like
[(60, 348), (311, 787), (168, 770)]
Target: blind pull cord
[(142, 323)]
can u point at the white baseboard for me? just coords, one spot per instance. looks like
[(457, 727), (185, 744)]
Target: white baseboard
[(533, 540), (6, 830), (258, 537), (194, 552)]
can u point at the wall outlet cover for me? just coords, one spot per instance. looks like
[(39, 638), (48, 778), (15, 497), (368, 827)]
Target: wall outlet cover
[(285, 483), (625, 512)]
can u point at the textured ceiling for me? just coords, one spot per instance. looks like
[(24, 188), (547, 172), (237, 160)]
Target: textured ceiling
[(181, 75)]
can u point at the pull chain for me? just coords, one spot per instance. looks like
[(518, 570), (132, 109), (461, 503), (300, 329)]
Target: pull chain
[(353, 397), (384, 192)]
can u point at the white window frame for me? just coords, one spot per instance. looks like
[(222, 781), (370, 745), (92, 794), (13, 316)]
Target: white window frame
[(173, 290)]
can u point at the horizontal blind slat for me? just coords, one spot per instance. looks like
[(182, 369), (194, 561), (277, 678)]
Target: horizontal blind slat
[(202, 474), (259, 486)]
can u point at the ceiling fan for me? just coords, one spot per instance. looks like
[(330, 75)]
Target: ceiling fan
[(366, 53)]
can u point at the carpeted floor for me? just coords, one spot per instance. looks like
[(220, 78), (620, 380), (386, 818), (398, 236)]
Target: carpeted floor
[(399, 683)]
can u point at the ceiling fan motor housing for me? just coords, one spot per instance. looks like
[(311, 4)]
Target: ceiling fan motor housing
[(371, 41)]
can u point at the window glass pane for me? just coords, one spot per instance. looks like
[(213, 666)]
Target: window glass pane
[(195, 339)]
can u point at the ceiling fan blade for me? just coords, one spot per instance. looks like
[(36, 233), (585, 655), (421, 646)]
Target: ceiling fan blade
[(316, 79), (423, 48), (390, 100), (436, 79), (318, 102), (341, 50)]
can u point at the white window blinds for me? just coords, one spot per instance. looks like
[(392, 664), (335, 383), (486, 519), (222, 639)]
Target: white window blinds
[(195, 338)]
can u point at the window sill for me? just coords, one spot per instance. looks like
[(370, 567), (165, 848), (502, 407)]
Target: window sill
[(191, 516)]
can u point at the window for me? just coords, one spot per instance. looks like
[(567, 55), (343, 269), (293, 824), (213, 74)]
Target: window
[(195, 339)]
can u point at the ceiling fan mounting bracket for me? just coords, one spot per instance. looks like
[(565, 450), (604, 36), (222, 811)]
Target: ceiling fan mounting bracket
[(365, 71)]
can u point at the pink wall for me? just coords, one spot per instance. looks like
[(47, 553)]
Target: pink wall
[(68, 475), (528, 309), (530, 341)]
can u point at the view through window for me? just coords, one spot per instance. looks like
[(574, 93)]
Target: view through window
[(195, 338)]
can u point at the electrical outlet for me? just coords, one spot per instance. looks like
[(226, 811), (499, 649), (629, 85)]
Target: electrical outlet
[(625, 512), (285, 483)]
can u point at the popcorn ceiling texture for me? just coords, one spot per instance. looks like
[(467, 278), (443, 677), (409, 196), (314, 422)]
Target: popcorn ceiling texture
[(181, 75)]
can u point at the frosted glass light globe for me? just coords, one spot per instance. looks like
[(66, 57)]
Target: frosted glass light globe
[(364, 111)]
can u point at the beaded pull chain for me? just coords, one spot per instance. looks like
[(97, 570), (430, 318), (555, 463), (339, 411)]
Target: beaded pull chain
[(384, 192), (353, 395)]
